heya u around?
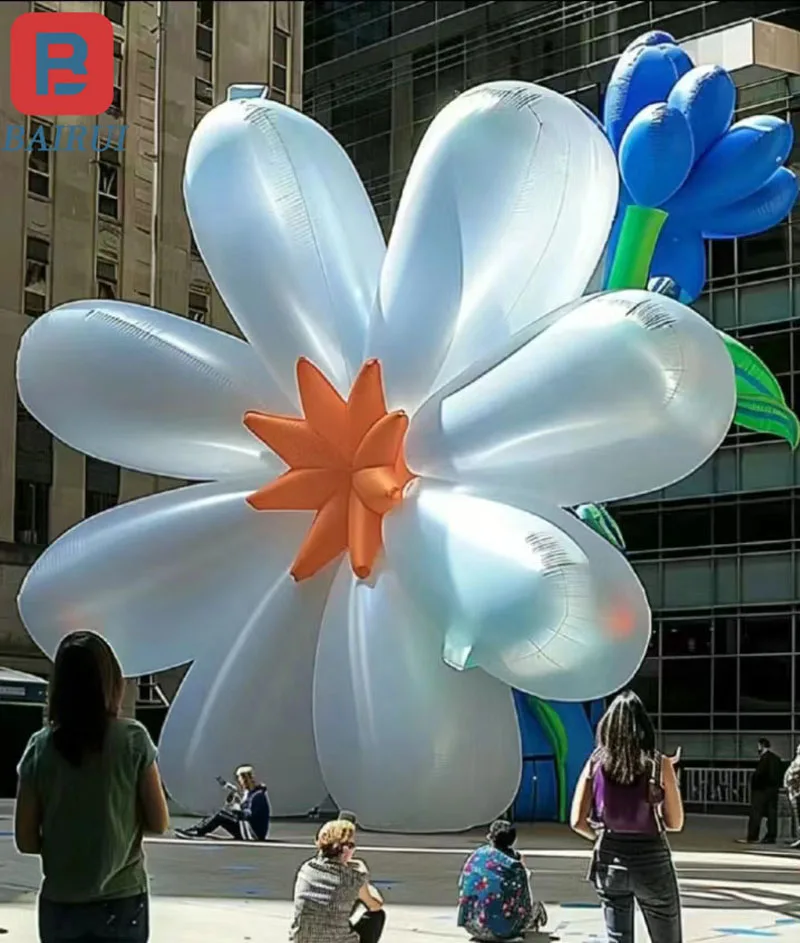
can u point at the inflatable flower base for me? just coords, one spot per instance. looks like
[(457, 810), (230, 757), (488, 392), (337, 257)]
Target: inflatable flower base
[(376, 550)]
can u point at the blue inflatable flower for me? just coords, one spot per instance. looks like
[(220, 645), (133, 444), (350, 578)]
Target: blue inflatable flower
[(688, 173)]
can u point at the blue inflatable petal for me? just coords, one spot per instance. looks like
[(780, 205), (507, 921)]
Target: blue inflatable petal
[(680, 59), (681, 256), (739, 163), (655, 37), (656, 154), (706, 96), (760, 211), (642, 76)]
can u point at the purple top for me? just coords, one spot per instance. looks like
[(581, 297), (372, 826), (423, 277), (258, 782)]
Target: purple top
[(623, 809)]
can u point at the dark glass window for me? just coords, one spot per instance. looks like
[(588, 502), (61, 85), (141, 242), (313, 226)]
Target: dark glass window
[(725, 524), (765, 684), (686, 722), (645, 684), (767, 250), (761, 635), (774, 349), (102, 486), (762, 521), (758, 723), (725, 694), (639, 528), (686, 685), (725, 636), (686, 527), (723, 260), (686, 636)]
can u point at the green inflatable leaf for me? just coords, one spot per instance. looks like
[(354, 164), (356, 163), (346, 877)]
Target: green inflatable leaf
[(753, 376), (598, 518), (556, 733), (767, 414)]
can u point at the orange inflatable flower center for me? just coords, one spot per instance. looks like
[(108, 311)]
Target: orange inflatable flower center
[(345, 462)]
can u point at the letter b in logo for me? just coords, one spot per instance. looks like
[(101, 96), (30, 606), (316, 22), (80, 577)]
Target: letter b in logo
[(62, 63)]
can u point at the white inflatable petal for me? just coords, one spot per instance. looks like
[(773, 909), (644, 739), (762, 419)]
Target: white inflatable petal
[(504, 215), (250, 701), (288, 234), (528, 594), (163, 577), (404, 741), (147, 390), (624, 394)]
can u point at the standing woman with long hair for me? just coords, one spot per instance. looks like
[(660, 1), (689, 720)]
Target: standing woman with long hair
[(89, 787), (627, 797)]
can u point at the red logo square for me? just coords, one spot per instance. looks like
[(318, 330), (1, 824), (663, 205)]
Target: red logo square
[(62, 63)]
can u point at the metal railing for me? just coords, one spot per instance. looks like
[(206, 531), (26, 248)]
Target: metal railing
[(705, 789), (706, 786)]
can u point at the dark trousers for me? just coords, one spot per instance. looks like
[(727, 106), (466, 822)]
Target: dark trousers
[(369, 926), (763, 804), (637, 868), (222, 819), (125, 920)]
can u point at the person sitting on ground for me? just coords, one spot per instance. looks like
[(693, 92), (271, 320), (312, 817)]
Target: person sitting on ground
[(246, 821), (328, 887), (495, 900), (89, 787)]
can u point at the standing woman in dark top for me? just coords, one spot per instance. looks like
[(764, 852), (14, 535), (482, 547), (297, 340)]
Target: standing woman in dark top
[(88, 789), (626, 799)]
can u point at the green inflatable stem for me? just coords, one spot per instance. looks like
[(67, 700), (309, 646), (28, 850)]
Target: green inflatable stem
[(641, 227), (553, 728)]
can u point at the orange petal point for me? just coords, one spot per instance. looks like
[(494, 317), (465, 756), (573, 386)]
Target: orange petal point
[(299, 489), (382, 444), (326, 538), (323, 407), (378, 488), (293, 440), (365, 537), (366, 403)]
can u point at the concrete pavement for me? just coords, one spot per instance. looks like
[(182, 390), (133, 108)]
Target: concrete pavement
[(225, 892)]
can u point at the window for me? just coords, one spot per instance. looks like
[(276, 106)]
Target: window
[(686, 636), (686, 527), (115, 12), (761, 635), (764, 521), (725, 686), (198, 306), (106, 279), (645, 684), (203, 91), (115, 108), (31, 512), (41, 142), (639, 528), (34, 475), (279, 88), (101, 488), (37, 276), (108, 170), (686, 685), (204, 51), (765, 684)]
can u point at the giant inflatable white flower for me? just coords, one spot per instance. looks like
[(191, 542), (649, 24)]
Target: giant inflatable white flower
[(377, 551)]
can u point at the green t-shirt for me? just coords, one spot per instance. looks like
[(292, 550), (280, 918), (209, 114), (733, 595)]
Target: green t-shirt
[(91, 823)]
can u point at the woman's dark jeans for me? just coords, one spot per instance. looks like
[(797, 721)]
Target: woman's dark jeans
[(369, 926), (124, 920), (637, 867)]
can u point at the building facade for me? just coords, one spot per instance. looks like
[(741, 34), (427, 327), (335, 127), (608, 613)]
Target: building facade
[(79, 225), (719, 553)]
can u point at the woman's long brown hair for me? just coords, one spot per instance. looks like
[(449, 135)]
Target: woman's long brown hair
[(84, 693)]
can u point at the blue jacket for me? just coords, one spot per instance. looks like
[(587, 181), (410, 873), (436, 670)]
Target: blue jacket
[(255, 811)]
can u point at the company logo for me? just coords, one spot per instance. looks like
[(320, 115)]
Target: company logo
[(62, 63)]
